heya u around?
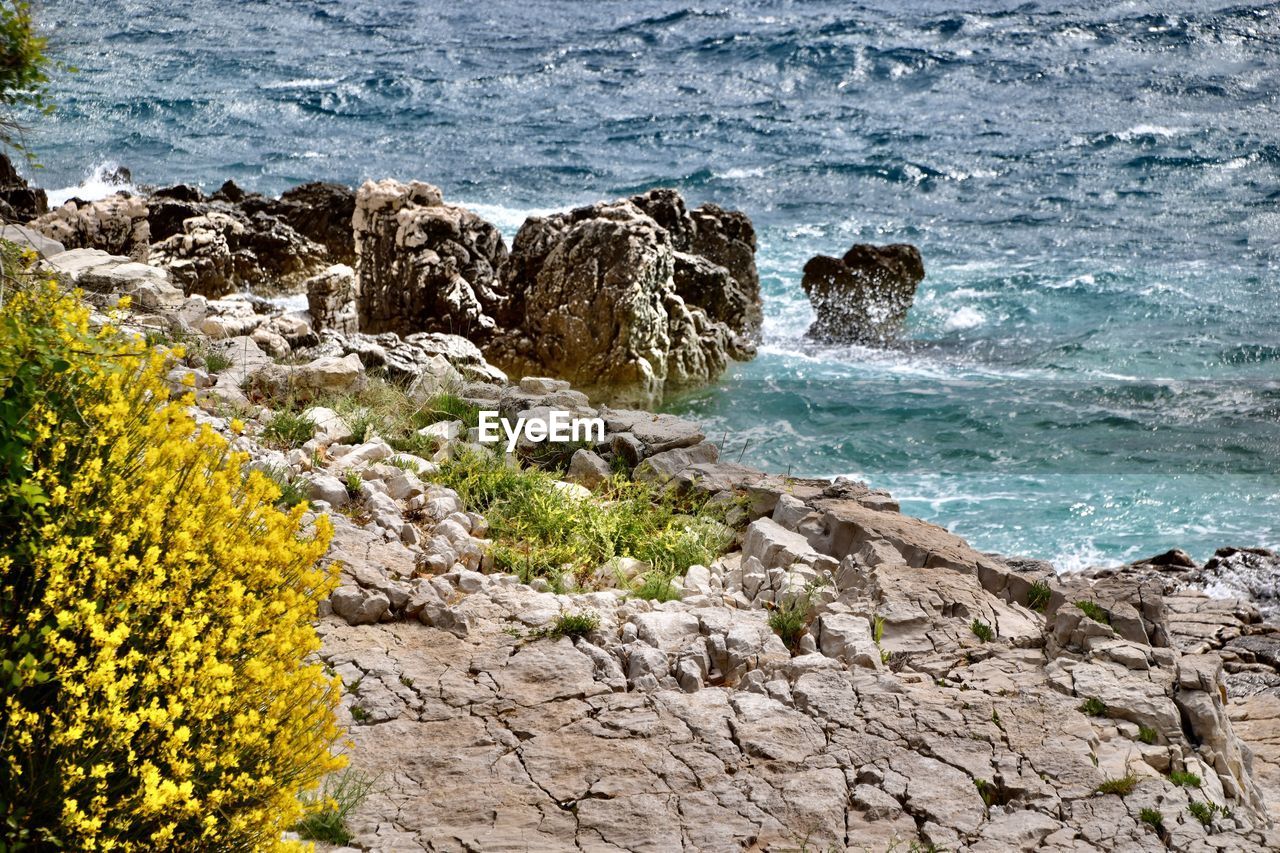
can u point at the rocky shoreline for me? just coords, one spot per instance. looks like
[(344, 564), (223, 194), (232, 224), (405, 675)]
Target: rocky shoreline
[(931, 697)]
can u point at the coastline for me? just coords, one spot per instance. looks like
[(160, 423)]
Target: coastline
[(930, 695)]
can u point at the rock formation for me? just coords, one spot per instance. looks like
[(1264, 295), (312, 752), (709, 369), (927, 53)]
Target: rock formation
[(594, 294), (19, 202), (117, 225), (423, 265), (863, 297)]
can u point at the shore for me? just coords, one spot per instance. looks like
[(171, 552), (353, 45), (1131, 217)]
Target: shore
[(827, 674)]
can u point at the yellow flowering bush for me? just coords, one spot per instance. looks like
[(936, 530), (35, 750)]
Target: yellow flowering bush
[(156, 608)]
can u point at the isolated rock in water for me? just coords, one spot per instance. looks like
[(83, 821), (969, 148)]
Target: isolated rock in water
[(864, 296), (591, 298), (19, 202), (117, 225), (423, 265)]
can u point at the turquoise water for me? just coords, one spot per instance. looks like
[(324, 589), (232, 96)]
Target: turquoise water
[(1092, 367)]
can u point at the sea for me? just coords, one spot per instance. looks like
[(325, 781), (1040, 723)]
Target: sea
[(1091, 371)]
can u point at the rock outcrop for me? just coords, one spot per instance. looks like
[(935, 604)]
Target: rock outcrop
[(19, 202), (116, 225), (423, 265), (864, 297), (592, 298)]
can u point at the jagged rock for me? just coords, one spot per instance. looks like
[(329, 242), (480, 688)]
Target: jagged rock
[(199, 258), (423, 265), (607, 266), (21, 201), (714, 258), (331, 299), (117, 225), (97, 271), (321, 212), (864, 296), (1253, 573), (43, 246)]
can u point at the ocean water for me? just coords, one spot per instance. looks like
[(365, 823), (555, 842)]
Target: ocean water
[(1091, 371)]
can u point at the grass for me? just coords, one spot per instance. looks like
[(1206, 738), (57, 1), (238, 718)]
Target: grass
[(329, 808), (539, 531), (1184, 779), (1122, 787), (352, 481), (790, 621), (1094, 707), (1038, 596), (1202, 812), (360, 715), (216, 362), (1094, 612), (574, 624), (984, 790), (287, 430), (1147, 735), (656, 587), (1152, 818), (984, 632)]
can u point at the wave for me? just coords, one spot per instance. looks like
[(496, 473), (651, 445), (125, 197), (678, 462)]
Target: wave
[(101, 181)]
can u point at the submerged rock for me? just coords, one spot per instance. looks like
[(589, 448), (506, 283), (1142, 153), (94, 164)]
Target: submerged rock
[(864, 296)]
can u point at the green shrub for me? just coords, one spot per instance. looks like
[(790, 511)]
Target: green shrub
[(1147, 735), (288, 430), (1094, 612), (156, 607), (1123, 786), (24, 72), (1202, 811), (790, 621), (1038, 596), (1184, 779), (328, 810), (982, 630), (352, 482), (1152, 818), (1094, 707)]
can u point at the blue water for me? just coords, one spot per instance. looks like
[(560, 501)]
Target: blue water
[(1092, 368)]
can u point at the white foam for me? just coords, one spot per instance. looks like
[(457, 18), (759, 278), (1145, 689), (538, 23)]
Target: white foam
[(737, 174), (508, 219), (967, 317), (92, 188)]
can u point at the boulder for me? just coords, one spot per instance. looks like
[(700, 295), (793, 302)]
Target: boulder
[(423, 265), (32, 239), (1252, 573), (331, 299), (606, 267), (863, 297), (322, 213)]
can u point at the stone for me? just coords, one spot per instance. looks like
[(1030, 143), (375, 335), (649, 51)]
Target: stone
[(863, 297), (359, 606), (422, 265), (43, 246), (586, 468), (331, 300), (327, 488), (331, 427), (116, 225)]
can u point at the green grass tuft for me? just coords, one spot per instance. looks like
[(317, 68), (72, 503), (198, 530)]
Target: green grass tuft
[(1038, 596), (574, 624), (1202, 812), (1094, 612), (329, 808), (1123, 786), (216, 362), (1152, 818), (1147, 735), (1094, 707), (657, 587), (1184, 779), (288, 430), (982, 630)]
